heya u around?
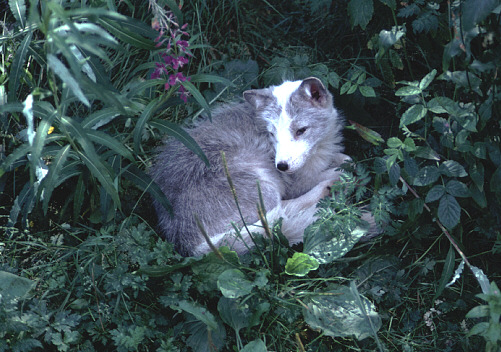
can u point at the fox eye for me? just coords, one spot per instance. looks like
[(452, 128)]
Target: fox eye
[(301, 131)]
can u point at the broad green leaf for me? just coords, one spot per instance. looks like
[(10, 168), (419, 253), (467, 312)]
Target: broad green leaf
[(413, 114), (207, 270), (408, 91), (18, 9), (65, 75), (452, 168), (367, 91), (425, 82), (435, 193), (177, 132), (449, 211), (300, 264), (360, 12), (13, 286), (16, 68), (478, 195), (426, 176), (394, 174), (337, 314), (199, 312), (201, 338), (236, 315), (233, 284), (394, 142), (255, 346), (478, 312), (447, 272), (457, 189), (50, 181), (345, 87), (389, 38), (146, 183)]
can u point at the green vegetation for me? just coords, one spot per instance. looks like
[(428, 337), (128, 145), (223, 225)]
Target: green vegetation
[(89, 89)]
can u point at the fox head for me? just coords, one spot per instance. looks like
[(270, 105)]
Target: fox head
[(299, 115)]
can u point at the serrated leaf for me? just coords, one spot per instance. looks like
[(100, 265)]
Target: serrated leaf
[(16, 68), (449, 211), (65, 75), (426, 176), (394, 174), (337, 314), (300, 264), (413, 114), (408, 91), (457, 189), (452, 168), (425, 82), (367, 91), (233, 284), (360, 12), (447, 272), (435, 193)]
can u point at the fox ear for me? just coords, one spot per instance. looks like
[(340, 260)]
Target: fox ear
[(316, 91), (256, 97)]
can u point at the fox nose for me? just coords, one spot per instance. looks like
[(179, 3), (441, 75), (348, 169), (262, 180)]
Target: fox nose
[(283, 166)]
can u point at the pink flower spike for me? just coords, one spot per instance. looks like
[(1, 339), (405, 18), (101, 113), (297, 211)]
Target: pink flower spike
[(166, 86), (184, 26)]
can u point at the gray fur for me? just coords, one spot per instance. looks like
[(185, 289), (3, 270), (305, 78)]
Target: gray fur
[(243, 132)]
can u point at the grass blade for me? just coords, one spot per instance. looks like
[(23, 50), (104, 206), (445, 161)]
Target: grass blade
[(16, 68), (64, 74), (50, 181)]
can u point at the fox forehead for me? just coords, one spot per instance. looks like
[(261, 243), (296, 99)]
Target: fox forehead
[(283, 92)]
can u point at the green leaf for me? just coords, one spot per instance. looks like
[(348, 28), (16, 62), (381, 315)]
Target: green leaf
[(475, 11), (208, 78), (91, 159), (300, 264), (435, 193), (478, 312), (147, 113), (146, 183), (18, 9), (425, 82), (126, 34), (17, 154), (389, 38), (394, 142), (51, 180), (199, 312), (177, 132), (110, 142), (408, 91), (360, 12), (13, 286), (447, 272), (236, 315), (78, 198), (392, 4), (65, 75), (413, 114), (337, 314), (197, 95), (426, 176), (441, 105), (449, 211), (457, 189), (100, 118), (255, 346), (478, 195), (452, 168), (366, 133), (16, 68), (367, 91), (233, 284)]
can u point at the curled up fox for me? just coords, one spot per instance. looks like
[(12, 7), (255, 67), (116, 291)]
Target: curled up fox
[(287, 137)]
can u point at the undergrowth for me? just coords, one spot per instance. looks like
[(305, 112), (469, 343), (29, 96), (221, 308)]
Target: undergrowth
[(89, 89)]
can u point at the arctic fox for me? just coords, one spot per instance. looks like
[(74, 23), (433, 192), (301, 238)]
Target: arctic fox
[(287, 138)]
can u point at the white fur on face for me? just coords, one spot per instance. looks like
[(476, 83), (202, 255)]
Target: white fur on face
[(289, 148)]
